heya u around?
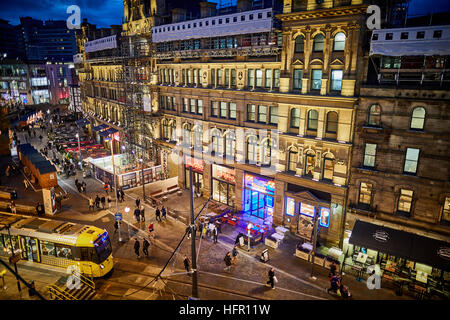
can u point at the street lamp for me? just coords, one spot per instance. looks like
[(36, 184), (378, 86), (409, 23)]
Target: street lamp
[(79, 149), (127, 209), (249, 227), (143, 179)]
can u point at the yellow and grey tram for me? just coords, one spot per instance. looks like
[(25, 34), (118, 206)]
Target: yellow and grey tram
[(56, 243)]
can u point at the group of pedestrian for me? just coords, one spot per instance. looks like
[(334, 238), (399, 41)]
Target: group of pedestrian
[(137, 246), (336, 283), (120, 195), (81, 186), (159, 213)]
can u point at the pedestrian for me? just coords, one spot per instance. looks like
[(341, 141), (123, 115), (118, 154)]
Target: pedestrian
[(272, 278), (13, 207), (158, 214), (150, 227), (40, 138), (345, 293), (97, 202), (137, 246), (116, 226), (8, 169), (145, 245), (138, 202), (234, 255), (106, 188), (332, 269), (83, 187), (334, 284), (76, 183), (103, 201), (215, 233), (109, 201), (227, 260), (91, 204), (142, 213), (118, 195), (163, 212), (137, 214), (25, 182), (187, 265), (122, 195)]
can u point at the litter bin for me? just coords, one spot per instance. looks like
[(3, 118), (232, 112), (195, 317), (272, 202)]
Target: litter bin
[(265, 255)]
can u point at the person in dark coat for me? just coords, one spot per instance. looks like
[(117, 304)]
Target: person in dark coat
[(137, 246), (145, 245), (187, 265), (138, 202), (122, 195), (334, 284), (158, 214), (271, 278), (227, 260), (118, 196), (215, 234), (97, 202), (116, 226), (103, 201), (142, 213), (137, 214), (163, 212)]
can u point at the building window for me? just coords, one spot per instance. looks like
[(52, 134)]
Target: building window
[(295, 118), (230, 144), (404, 35), (365, 194), (227, 77), (232, 110), (266, 152), (268, 78), (187, 141), (219, 77), (420, 35), (313, 117), (251, 77), (339, 42), (273, 115), (185, 105), (405, 201), (233, 77), (165, 129), (213, 77), (292, 160), (276, 78), (374, 115), (262, 114), (252, 145), (332, 122), (259, 74), (299, 44), (251, 109), (216, 139), (446, 210), (370, 151), (418, 118), (389, 36), (437, 34), (198, 137), (336, 80), (223, 109), (214, 108), (319, 41), (316, 80), (298, 75), (411, 160), (193, 105), (200, 106), (328, 169)]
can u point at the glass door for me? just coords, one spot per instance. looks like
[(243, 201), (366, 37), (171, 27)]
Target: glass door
[(29, 247)]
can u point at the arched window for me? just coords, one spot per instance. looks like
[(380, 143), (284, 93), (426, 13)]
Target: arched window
[(319, 41), (266, 152), (328, 168), (418, 118), (216, 140), (295, 118), (292, 160), (165, 129), (309, 163), (313, 117), (339, 42), (252, 146), (299, 44), (173, 131), (230, 144), (332, 122), (374, 115), (198, 137), (187, 141)]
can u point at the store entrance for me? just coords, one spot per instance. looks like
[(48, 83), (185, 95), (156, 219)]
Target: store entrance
[(257, 203)]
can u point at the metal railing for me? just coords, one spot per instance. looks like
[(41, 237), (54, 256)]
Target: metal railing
[(59, 294)]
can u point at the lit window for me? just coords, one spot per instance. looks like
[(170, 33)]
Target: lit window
[(411, 160), (339, 42), (316, 80), (313, 117), (336, 80), (365, 194), (405, 201), (319, 41), (295, 118), (299, 44), (332, 122), (370, 151), (374, 115), (418, 118)]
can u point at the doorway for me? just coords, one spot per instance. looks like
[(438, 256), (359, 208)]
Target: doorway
[(29, 247), (257, 203)]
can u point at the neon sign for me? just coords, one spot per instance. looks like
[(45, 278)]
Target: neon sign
[(260, 184), (324, 220), (290, 206)]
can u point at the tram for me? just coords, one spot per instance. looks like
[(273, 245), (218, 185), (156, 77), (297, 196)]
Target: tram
[(56, 243)]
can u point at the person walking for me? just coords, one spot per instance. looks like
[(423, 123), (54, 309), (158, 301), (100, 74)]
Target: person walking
[(151, 228), (118, 196), (137, 214), (187, 265), (116, 226), (25, 182), (158, 214), (234, 255), (106, 187), (138, 202), (334, 284), (83, 187), (163, 212), (103, 201), (137, 246), (109, 201), (215, 233), (145, 245), (122, 195), (97, 202), (227, 260), (332, 269), (142, 213), (91, 204), (272, 278)]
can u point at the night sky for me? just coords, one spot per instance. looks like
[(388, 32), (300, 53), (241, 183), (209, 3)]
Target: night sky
[(103, 13)]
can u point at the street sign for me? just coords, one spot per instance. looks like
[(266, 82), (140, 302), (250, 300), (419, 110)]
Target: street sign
[(118, 216)]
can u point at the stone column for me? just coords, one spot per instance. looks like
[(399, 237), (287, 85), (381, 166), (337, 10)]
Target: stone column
[(239, 189), (279, 203)]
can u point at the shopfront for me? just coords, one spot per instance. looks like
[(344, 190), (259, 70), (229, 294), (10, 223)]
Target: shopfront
[(223, 184), (259, 195), (197, 173)]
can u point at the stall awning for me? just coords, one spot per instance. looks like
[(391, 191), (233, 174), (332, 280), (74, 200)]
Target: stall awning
[(402, 244), (82, 122), (100, 127), (107, 132)]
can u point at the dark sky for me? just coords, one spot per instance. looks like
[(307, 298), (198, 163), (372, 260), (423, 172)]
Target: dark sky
[(103, 13)]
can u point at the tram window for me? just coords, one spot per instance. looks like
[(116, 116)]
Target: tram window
[(47, 248), (63, 251), (89, 254), (7, 242)]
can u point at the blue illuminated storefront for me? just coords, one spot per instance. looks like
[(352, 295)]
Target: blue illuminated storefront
[(259, 195)]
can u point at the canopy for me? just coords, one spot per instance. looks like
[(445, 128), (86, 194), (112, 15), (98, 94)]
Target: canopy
[(108, 132), (100, 127)]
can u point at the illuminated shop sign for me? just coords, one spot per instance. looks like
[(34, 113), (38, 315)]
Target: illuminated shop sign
[(260, 184), (307, 209), (324, 217), (224, 173), (290, 206), (196, 164)]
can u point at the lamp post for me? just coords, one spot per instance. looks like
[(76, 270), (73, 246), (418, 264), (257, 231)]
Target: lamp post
[(316, 220), (115, 184), (249, 227), (127, 209), (79, 150), (143, 179)]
